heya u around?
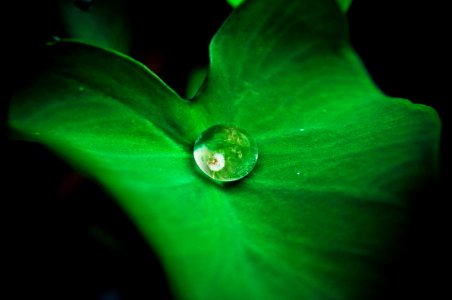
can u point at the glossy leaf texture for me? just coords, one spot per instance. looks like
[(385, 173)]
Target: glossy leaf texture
[(324, 208)]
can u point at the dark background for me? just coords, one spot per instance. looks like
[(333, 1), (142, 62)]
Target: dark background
[(65, 239)]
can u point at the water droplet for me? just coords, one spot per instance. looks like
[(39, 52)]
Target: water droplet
[(81, 88), (225, 153)]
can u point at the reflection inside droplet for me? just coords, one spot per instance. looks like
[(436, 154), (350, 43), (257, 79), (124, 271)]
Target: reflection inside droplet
[(225, 153)]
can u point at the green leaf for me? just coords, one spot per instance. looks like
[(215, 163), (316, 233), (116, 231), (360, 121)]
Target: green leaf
[(234, 3), (102, 23), (334, 151), (287, 62), (95, 108), (86, 80), (324, 208)]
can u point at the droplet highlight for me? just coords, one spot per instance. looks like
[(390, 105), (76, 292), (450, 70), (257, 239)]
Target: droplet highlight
[(225, 153)]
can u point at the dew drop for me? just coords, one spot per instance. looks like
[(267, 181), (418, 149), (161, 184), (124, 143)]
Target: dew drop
[(225, 153)]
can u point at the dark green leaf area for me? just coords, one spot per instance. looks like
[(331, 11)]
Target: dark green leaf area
[(79, 80), (346, 185), (102, 23)]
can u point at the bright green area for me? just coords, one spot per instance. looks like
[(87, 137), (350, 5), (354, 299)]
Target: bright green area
[(235, 3), (104, 23), (322, 211)]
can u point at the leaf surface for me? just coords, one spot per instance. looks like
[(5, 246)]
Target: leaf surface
[(338, 160)]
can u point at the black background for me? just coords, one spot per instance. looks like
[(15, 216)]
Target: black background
[(65, 239)]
